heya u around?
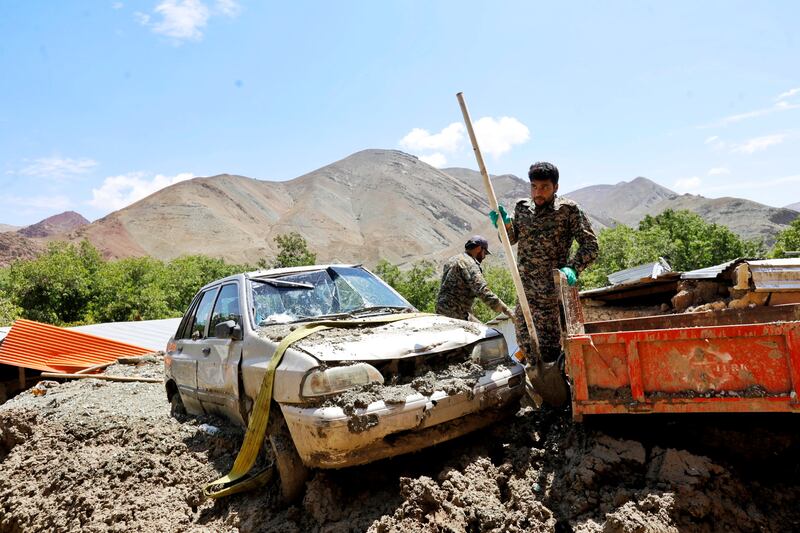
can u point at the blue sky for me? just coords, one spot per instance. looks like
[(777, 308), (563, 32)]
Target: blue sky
[(102, 102)]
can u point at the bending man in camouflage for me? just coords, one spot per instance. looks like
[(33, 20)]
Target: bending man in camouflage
[(462, 281), (544, 230)]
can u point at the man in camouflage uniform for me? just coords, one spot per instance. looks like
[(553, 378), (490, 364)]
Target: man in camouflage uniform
[(544, 229), (462, 281)]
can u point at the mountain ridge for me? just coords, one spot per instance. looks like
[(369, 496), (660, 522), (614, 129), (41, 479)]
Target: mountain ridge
[(371, 205)]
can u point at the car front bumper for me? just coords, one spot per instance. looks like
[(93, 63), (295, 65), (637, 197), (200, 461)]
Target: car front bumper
[(326, 437)]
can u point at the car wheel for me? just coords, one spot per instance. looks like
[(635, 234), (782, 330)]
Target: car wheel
[(292, 472), (176, 408)]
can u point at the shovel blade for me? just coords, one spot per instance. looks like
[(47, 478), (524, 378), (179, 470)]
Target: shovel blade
[(547, 380)]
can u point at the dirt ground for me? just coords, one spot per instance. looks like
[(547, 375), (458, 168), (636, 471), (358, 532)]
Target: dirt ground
[(91, 455)]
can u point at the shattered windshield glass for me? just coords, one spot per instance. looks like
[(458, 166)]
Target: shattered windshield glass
[(335, 291)]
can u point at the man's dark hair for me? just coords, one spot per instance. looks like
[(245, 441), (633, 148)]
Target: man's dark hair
[(543, 171)]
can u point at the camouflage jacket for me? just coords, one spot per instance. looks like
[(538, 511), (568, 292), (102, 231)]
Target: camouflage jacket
[(462, 281), (544, 237)]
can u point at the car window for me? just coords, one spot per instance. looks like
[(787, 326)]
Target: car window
[(370, 290), (184, 331), (318, 293), (226, 307), (201, 315)]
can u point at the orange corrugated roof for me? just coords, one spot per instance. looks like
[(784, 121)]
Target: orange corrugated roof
[(49, 348)]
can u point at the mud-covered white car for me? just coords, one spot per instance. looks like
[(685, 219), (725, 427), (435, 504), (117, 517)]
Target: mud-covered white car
[(341, 397)]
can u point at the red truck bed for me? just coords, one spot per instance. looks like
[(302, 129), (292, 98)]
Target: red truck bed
[(734, 360)]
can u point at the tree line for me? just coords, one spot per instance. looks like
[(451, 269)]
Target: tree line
[(72, 284)]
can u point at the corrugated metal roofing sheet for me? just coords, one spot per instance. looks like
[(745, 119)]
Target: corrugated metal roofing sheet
[(3, 332), (44, 347), (776, 274), (151, 334), (711, 272), (640, 272)]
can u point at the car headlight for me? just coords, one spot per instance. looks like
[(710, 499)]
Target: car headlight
[(339, 378), (490, 351)]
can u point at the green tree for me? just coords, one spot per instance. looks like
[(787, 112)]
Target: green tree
[(419, 285), (695, 243), (57, 286), (684, 239), (788, 240), (8, 311), (131, 289), (184, 276), (390, 273), (292, 251)]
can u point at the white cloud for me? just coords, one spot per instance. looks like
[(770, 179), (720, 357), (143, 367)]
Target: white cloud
[(759, 184), (181, 19), (229, 8), (688, 184), (496, 137), (57, 167), (778, 107), (117, 5), (185, 20), (718, 171), (449, 139), (120, 191), (715, 142), (758, 144), (436, 159), (789, 93), (45, 203)]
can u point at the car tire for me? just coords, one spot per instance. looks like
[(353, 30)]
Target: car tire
[(292, 472), (176, 407)]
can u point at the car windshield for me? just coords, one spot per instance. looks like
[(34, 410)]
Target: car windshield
[(334, 291)]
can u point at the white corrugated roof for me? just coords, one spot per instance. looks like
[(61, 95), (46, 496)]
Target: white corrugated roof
[(151, 334), (710, 272), (4, 331), (776, 274), (640, 272)]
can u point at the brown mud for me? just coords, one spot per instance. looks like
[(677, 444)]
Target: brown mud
[(90, 455)]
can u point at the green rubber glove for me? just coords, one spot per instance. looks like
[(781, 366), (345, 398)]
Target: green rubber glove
[(572, 276), (494, 216)]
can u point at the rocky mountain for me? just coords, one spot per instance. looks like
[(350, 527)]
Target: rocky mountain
[(14, 246), (629, 202), (373, 204), (54, 225), (7, 227), (795, 206)]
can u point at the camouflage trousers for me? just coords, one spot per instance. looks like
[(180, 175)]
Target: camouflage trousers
[(546, 320)]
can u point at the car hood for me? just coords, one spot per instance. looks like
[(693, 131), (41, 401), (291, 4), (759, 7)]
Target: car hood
[(405, 338)]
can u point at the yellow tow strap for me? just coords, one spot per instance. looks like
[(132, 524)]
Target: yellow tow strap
[(237, 479)]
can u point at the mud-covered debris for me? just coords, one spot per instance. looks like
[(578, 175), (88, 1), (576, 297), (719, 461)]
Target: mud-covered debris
[(454, 379), (106, 456)]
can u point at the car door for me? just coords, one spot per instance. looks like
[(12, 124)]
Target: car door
[(218, 369), (189, 348)]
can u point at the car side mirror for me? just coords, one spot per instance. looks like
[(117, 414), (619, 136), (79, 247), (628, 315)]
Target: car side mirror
[(228, 330)]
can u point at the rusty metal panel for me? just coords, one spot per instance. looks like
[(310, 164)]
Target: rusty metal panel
[(776, 274), (705, 368), (31, 344)]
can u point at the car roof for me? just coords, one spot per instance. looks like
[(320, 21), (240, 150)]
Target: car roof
[(292, 270), (274, 272)]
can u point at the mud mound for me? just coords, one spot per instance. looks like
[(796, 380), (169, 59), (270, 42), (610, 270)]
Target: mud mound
[(92, 455)]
